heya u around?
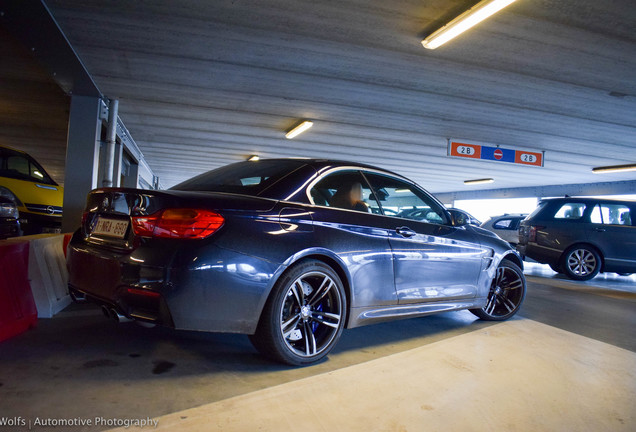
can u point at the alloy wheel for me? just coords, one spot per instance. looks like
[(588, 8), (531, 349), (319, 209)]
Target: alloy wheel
[(507, 292), (311, 314), (582, 262)]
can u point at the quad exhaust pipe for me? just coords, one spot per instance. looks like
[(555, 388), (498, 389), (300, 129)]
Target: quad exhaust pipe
[(111, 313)]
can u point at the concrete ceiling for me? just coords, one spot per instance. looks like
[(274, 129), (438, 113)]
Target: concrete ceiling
[(204, 83)]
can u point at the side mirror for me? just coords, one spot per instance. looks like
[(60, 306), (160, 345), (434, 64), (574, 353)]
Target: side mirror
[(459, 219)]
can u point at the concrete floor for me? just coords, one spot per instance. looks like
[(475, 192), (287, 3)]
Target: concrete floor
[(566, 362)]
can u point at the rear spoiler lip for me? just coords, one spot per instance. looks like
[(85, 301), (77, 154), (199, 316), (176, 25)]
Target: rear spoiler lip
[(144, 201)]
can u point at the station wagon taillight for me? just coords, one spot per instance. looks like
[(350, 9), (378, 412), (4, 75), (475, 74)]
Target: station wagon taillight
[(184, 223)]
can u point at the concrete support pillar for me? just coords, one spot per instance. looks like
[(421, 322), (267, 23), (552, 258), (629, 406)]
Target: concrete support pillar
[(111, 149), (82, 158), (117, 165)]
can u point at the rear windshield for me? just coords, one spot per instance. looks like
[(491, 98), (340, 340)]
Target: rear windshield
[(247, 178), (536, 211), (20, 166)]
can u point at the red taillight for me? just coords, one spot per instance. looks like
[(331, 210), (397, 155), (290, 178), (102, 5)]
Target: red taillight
[(143, 293), (178, 223), (532, 234)]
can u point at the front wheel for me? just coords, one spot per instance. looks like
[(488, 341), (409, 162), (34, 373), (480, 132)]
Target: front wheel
[(507, 291), (304, 316)]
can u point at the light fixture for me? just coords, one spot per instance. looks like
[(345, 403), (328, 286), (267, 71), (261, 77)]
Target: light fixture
[(298, 129), (253, 158), (614, 169), (479, 181), (463, 22)]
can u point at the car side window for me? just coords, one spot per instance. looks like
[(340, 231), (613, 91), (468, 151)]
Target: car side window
[(611, 214), (570, 211), (346, 190), (503, 224), (402, 199)]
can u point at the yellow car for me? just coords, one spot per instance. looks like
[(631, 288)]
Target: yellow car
[(38, 197)]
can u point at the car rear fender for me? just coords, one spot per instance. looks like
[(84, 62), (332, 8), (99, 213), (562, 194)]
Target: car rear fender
[(326, 256)]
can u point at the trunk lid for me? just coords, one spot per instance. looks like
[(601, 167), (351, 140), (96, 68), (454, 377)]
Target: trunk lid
[(109, 212)]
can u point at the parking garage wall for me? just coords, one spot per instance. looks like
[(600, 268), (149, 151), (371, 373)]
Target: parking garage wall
[(34, 114), (582, 189)]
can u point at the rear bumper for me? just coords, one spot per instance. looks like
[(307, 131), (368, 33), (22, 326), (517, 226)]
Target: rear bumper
[(9, 228), (34, 223), (175, 284), (541, 254), (130, 304), (108, 279)]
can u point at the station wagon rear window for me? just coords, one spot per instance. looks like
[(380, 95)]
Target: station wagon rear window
[(504, 224)]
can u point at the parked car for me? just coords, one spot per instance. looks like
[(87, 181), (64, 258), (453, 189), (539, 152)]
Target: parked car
[(581, 237), (288, 251), (9, 225), (505, 226), (464, 215), (38, 197)]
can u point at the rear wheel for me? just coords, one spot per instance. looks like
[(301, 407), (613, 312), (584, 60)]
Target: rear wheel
[(507, 291), (581, 262), (304, 316)]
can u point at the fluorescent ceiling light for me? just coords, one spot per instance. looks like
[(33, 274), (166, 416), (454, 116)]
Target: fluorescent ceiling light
[(463, 22), (298, 129), (479, 181), (253, 158), (614, 169)]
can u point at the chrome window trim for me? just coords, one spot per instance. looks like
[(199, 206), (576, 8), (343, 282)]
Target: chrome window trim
[(364, 170), (349, 168)]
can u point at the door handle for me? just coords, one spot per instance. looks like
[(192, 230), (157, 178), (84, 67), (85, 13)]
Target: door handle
[(599, 229), (405, 232)]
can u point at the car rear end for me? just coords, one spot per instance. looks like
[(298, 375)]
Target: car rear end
[(552, 228), (531, 233), (162, 257), (9, 225)]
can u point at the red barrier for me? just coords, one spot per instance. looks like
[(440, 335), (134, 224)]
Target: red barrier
[(17, 307), (67, 240)]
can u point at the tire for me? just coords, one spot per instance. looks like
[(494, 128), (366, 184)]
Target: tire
[(507, 292), (556, 268), (581, 262), (304, 315)]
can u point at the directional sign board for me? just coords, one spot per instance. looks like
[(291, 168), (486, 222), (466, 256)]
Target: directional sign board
[(478, 151)]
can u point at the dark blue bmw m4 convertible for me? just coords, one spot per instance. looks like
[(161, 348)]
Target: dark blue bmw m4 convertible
[(288, 251)]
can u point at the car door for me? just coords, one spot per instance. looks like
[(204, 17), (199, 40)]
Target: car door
[(432, 260), (613, 231), (347, 221)]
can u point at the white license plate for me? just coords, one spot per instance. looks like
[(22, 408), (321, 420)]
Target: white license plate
[(110, 227)]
